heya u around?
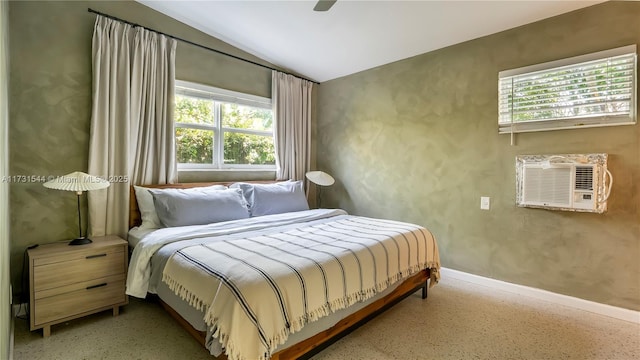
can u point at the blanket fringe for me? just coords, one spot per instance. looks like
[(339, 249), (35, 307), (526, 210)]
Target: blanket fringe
[(183, 293), (297, 324)]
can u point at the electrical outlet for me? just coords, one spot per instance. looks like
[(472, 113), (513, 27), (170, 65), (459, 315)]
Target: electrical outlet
[(485, 202)]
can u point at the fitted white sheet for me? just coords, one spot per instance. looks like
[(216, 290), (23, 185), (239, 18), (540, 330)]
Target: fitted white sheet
[(136, 234)]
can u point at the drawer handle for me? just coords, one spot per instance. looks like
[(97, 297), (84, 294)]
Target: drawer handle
[(96, 286), (95, 256)]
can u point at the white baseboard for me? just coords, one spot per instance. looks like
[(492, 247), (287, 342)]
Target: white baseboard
[(573, 302)]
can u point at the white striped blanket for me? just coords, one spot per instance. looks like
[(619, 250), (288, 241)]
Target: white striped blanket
[(256, 291)]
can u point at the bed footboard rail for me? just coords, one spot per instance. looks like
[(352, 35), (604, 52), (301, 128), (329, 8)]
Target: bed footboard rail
[(313, 345)]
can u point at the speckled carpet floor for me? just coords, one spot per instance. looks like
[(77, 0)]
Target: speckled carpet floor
[(459, 320)]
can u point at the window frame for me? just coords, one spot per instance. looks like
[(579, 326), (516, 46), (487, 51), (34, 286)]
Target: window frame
[(542, 124), (217, 97)]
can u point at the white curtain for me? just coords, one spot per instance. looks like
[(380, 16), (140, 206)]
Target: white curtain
[(131, 139), (5, 300), (291, 97)]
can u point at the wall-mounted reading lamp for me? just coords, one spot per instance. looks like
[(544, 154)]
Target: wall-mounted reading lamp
[(321, 179)]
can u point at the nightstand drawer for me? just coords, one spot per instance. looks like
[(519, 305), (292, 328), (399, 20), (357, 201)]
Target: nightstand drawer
[(80, 269), (65, 252), (103, 294), (93, 283)]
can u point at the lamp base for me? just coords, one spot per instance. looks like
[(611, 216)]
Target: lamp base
[(80, 241)]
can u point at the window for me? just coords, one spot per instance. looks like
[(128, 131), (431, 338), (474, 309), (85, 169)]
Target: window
[(597, 89), (221, 129)]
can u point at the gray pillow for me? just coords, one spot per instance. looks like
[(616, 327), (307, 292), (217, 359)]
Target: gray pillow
[(276, 198), (198, 206), (147, 208)]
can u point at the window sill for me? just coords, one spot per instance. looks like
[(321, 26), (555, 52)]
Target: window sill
[(209, 175), (535, 126), (224, 170)]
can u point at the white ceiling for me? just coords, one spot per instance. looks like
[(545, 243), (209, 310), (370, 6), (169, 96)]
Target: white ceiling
[(353, 35)]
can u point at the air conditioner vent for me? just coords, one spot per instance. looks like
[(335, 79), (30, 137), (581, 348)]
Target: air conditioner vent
[(548, 186), (584, 177)]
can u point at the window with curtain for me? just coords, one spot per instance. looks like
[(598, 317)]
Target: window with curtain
[(596, 89), (222, 129)]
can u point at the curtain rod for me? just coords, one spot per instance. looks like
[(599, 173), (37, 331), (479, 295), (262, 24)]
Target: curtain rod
[(195, 44)]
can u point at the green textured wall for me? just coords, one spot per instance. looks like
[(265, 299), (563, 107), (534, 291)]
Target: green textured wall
[(50, 96), (417, 140)]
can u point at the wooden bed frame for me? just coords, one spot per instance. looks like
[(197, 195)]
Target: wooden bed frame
[(311, 346)]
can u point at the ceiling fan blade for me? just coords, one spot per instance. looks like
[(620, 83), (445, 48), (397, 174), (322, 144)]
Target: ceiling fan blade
[(324, 5)]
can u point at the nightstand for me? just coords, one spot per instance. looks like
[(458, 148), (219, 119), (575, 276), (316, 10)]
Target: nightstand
[(67, 282)]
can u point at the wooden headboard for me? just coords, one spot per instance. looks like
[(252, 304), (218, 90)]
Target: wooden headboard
[(134, 212)]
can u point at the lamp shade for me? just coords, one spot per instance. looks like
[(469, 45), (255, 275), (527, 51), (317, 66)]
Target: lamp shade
[(78, 182), (320, 178)]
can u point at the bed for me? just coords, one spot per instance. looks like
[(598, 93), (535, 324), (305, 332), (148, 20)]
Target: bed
[(279, 282)]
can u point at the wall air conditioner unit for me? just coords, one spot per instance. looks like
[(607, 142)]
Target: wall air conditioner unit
[(570, 182)]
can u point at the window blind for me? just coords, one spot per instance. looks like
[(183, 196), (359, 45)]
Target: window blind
[(591, 90)]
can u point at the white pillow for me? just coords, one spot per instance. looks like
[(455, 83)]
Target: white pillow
[(183, 207), (276, 198), (147, 208)]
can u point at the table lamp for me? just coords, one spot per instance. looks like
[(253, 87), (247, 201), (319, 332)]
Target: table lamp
[(78, 182)]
